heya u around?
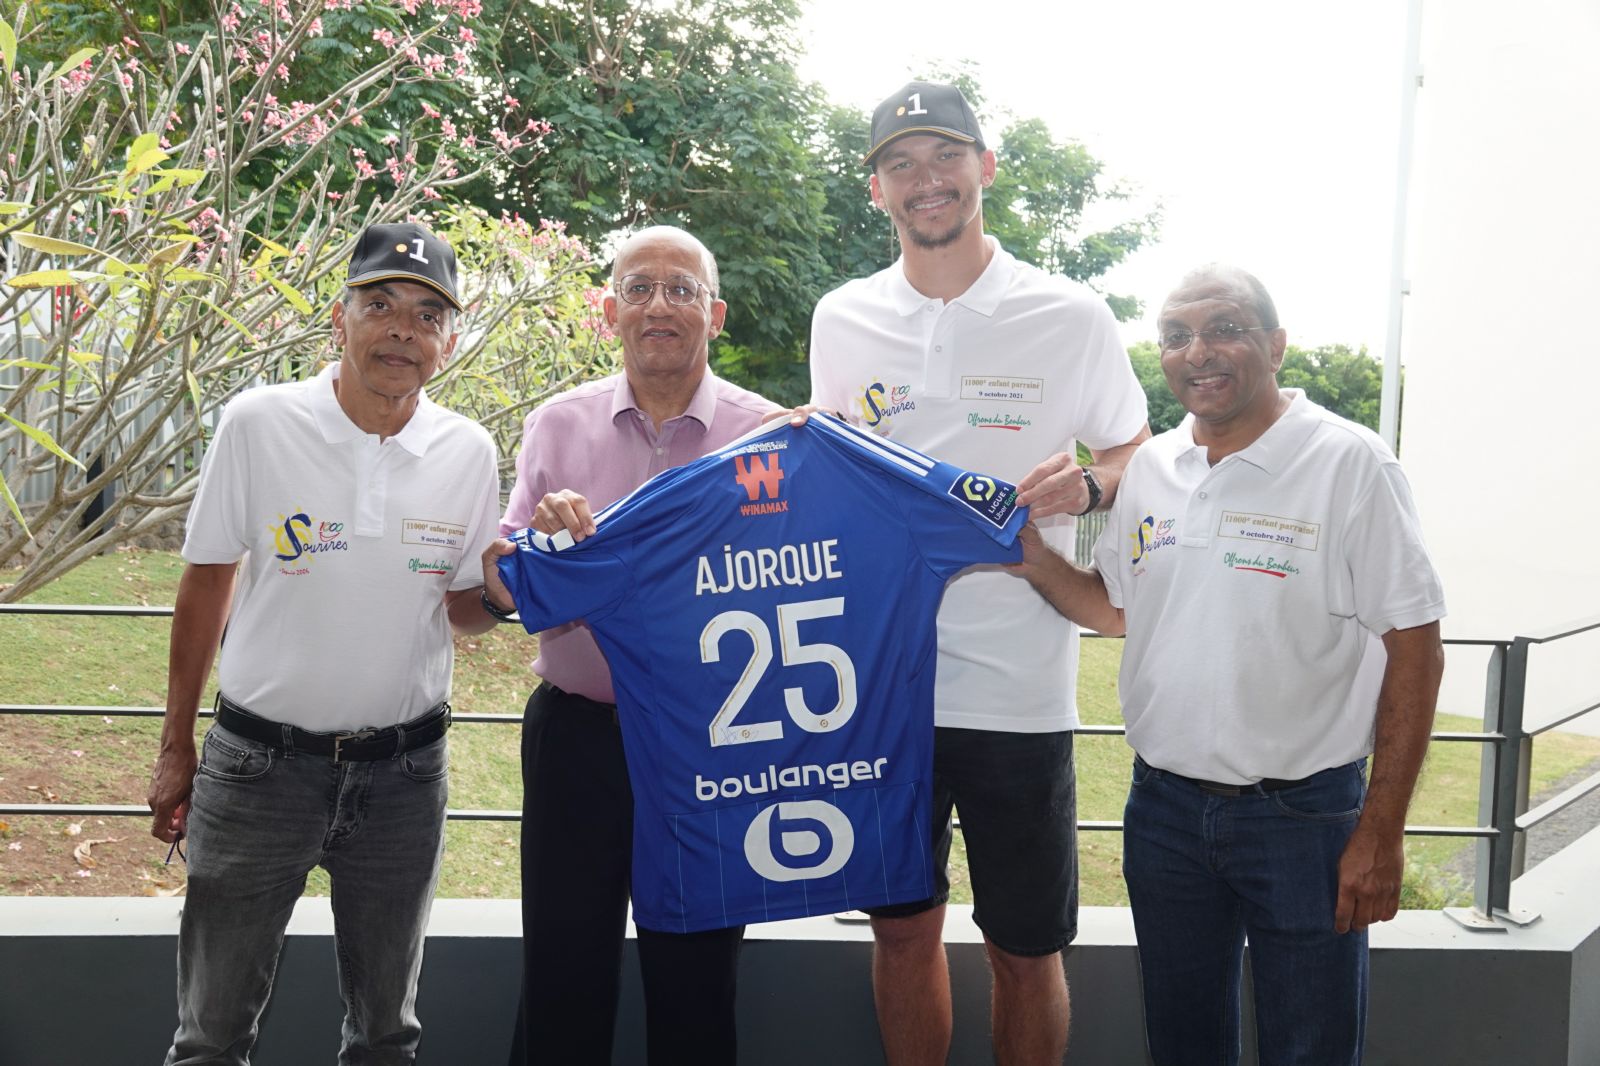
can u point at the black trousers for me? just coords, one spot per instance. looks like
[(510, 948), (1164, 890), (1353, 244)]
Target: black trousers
[(577, 838)]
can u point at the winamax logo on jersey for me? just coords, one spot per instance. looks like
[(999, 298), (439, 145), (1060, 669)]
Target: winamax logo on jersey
[(761, 477)]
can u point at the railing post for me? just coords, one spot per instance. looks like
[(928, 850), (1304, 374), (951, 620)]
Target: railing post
[(1502, 792)]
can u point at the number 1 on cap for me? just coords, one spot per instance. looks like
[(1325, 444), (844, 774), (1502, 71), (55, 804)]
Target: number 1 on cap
[(916, 105), (417, 252)]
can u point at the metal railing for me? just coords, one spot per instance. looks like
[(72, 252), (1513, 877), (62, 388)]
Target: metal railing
[(1503, 814)]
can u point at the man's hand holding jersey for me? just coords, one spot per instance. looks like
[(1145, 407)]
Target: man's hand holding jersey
[(566, 510)]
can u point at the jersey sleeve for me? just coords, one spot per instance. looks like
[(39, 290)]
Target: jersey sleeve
[(555, 580), (955, 517)]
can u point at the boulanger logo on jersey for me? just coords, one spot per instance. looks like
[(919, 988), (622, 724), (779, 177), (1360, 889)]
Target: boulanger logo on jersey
[(298, 538), (878, 403), (801, 828)]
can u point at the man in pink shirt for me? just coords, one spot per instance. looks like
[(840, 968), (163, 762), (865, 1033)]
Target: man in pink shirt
[(581, 451)]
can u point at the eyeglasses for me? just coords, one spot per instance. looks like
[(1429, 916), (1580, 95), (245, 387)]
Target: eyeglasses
[(680, 289), (1176, 340)]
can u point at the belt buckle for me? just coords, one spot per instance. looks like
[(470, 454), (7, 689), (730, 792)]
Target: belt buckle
[(358, 735)]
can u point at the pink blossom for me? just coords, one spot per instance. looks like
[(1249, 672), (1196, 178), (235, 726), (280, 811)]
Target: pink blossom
[(182, 48), (511, 102), (466, 35), (15, 845), (428, 110), (448, 128), (229, 23), (384, 37), (130, 44), (127, 82), (433, 62), (83, 873), (335, 196), (538, 127), (315, 29), (429, 194), (365, 169), (410, 6), (391, 139)]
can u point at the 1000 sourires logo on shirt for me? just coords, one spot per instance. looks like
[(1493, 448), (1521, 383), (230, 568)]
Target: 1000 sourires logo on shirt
[(297, 538), (879, 403)]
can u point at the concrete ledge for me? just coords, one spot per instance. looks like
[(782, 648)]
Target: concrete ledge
[(1440, 993)]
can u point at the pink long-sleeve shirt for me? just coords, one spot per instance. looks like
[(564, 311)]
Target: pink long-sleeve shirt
[(595, 441)]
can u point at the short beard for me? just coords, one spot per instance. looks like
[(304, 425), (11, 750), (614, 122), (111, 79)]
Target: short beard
[(932, 240)]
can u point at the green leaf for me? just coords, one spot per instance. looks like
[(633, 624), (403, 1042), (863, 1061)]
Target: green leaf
[(45, 440), (194, 387), (74, 60), (11, 502), (27, 364), (8, 46), (295, 299), (234, 322), (274, 245), (45, 279), (11, 207), (183, 273), (141, 144), (52, 245), (145, 160)]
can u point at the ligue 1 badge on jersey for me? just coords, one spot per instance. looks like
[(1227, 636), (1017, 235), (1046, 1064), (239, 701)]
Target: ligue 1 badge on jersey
[(992, 498)]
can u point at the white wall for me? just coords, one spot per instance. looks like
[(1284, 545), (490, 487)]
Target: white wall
[(1502, 329)]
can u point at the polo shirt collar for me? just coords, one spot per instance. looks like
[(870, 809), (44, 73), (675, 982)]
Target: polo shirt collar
[(983, 295), (702, 405), (336, 426), (1283, 439)]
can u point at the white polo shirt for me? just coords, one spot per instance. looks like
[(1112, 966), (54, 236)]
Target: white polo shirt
[(1256, 592), (349, 545), (1019, 367)]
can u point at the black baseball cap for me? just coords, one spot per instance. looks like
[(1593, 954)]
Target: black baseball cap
[(404, 251), (923, 107)]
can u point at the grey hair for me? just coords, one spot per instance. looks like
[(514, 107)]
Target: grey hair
[(1259, 300), (708, 262)]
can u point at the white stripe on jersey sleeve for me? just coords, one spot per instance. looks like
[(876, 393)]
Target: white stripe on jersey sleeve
[(888, 451)]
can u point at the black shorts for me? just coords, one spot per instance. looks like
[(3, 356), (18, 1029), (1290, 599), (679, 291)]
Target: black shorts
[(1019, 818)]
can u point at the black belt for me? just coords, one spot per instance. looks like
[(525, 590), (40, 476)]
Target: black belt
[(363, 745), (1219, 788)]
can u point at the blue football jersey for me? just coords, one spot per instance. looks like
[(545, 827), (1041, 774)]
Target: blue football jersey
[(768, 615)]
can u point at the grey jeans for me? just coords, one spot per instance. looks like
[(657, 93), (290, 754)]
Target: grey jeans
[(259, 821)]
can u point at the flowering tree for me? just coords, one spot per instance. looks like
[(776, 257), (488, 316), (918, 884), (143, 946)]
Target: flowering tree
[(175, 225)]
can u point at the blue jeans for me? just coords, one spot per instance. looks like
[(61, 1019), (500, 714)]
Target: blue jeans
[(1205, 872), (259, 821)]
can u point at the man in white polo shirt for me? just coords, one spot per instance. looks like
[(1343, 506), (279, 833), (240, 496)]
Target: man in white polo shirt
[(965, 353), (328, 534), (1282, 616)]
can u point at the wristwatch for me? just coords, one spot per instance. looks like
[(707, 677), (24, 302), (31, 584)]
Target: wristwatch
[(1095, 492), (494, 611)]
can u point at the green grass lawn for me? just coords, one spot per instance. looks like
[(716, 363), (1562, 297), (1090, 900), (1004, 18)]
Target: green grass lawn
[(50, 660)]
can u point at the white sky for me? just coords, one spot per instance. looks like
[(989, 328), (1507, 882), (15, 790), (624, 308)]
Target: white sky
[(1268, 130)]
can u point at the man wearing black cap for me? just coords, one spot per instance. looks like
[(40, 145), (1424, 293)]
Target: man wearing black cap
[(328, 533), (963, 352)]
